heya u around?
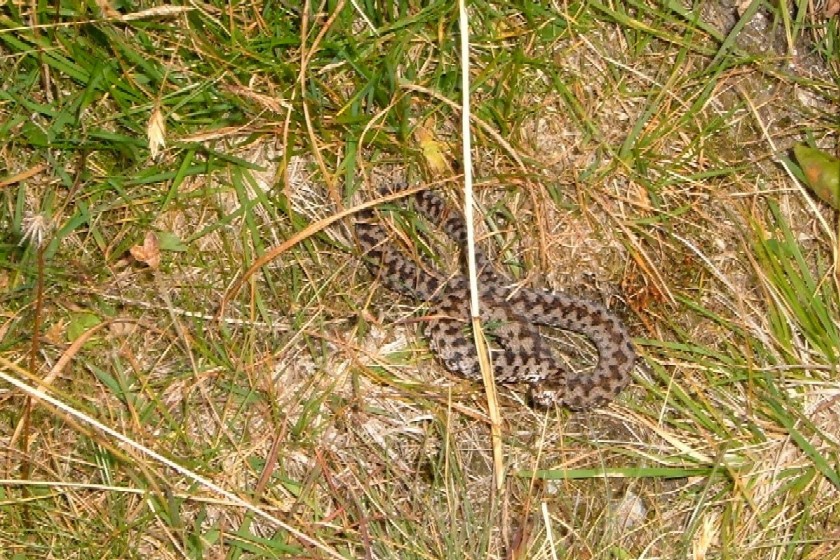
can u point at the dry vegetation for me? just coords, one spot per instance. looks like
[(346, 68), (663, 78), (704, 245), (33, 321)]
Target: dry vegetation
[(631, 152)]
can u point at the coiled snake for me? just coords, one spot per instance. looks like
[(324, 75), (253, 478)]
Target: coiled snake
[(520, 354)]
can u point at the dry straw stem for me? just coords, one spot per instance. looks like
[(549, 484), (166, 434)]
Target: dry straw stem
[(475, 310)]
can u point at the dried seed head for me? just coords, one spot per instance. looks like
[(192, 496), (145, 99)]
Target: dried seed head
[(35, 229)]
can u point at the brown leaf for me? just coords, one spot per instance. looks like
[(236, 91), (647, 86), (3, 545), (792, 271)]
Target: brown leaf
[(149, 252), (107, 9), (55, 334), (267, 101), (122, 328)]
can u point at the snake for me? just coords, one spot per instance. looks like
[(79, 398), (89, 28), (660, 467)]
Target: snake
[(510, 317)]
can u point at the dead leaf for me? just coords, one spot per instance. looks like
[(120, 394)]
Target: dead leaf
[(433, 151), (158, 12), (149, 252), (822, 173), (107, 10), (123, 328), (55, 334), (156, 132), (267, 101)]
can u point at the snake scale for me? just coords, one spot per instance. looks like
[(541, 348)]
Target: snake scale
[(520, 354)]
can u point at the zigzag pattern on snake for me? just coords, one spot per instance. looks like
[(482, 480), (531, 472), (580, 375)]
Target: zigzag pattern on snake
[(510, 317)]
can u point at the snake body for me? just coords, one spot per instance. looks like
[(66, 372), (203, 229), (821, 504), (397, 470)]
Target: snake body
[(510, 317)]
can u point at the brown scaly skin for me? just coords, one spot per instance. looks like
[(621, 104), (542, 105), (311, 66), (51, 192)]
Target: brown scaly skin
[(520, 353)]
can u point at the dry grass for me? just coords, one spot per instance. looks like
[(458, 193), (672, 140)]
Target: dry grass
[(630, 152)]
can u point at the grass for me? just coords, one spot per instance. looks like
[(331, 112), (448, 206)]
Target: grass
[(630, 152)]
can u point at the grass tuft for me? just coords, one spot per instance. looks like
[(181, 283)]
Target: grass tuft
[(629, 152)]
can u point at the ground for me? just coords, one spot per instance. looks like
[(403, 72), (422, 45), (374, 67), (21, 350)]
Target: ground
[(219, 375)]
